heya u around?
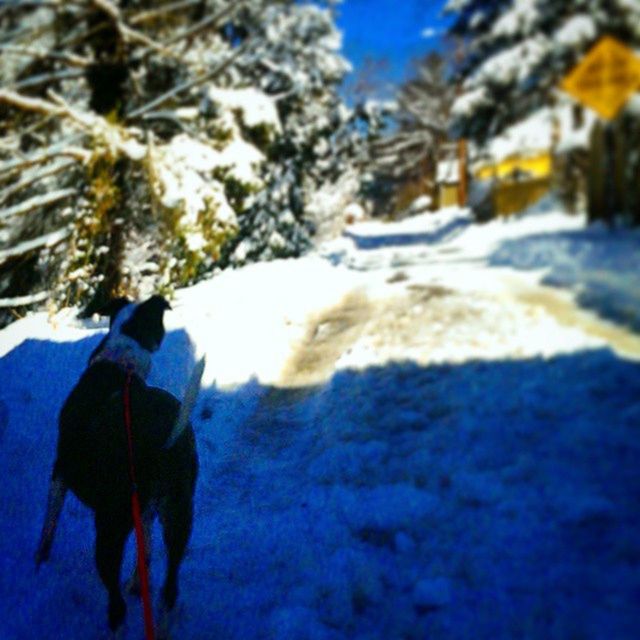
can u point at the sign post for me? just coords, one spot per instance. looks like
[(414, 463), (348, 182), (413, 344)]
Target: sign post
[(604, 80)]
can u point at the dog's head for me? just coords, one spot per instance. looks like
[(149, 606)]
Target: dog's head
[(136, 330), (142, 322)]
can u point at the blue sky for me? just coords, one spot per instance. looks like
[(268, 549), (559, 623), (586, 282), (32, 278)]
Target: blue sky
[(389, 29)]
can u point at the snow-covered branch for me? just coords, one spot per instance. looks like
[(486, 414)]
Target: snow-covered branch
[(37, 105), (24, 301), (36, 202), (64, 147), (43, 54), (48, 240), (36, 176)]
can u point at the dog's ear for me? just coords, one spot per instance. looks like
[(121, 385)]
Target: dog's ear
[(113, 307)]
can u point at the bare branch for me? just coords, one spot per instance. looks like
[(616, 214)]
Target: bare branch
[(132, 35), (109, 8), (145, 16), (205, 23), (36, 202), (170, 116), (128, 34), (90, 122), (185, 86), (42, 78)]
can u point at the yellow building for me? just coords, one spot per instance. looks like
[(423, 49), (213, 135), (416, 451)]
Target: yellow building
[(520, 180)]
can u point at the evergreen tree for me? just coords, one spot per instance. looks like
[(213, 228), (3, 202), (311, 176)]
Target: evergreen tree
[(517, 51), (143, 142), (515, 54)]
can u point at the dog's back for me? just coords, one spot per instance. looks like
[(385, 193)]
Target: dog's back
[(92, 455)]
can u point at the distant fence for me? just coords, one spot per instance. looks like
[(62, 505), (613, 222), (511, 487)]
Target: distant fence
[(512, 196), (516, 182)]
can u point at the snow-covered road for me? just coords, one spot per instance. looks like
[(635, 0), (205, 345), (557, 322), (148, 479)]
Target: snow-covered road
[(405, 435)]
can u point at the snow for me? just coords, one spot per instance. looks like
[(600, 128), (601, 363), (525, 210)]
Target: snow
[(256, 107), (528, 136), (535, 133), (577, 31), (470, 101), (447, 172), (519, 19), (633, 105), (456, 5), (403, 434), (420, 205), (354, 212), (513, 64), (184, 172)]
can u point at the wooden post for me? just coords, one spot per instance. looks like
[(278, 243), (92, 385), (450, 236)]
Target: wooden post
[(462, 172), (611, 199), (596, 180), (622, 160), (462, 143)]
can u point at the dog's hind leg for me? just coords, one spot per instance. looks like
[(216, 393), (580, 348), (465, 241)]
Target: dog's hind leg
[(132, 586), (55, 502), (176, 517), (110, 538)]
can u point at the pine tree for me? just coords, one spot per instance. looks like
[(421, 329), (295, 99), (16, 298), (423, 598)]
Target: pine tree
[(142, 142), (517, 51)]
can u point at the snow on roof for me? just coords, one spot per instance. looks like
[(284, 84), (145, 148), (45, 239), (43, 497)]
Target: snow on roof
[(447, 171), (530, 135), (535, 133)]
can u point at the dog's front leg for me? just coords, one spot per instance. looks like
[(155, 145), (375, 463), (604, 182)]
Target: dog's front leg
[(55, 502)]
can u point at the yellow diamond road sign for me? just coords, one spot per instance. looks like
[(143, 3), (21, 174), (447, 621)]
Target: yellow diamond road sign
[(605, 78)]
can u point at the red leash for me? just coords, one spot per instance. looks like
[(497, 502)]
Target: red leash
[(137, 519)]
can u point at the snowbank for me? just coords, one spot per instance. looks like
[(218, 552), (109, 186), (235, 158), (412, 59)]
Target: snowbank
[(467, 468)]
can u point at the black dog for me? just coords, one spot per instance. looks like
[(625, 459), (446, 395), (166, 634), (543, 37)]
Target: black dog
[(92, 455)]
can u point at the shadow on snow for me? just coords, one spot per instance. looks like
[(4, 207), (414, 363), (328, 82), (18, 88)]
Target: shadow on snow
[(603, 270), (445, 233), (483, 499)]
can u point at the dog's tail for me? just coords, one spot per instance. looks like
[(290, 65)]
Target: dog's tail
[(190, 397)]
